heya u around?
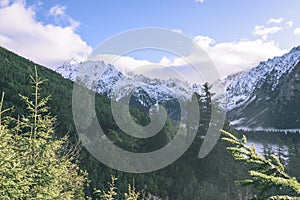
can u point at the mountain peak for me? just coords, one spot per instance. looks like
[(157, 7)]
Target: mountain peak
[(253, 94), (241, 87), (295, 49), (114, 84)]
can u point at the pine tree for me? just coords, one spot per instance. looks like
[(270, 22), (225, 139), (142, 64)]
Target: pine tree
[(33, 165), (266, 174)]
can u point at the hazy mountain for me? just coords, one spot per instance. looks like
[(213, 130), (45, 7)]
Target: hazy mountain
[(266, 96)]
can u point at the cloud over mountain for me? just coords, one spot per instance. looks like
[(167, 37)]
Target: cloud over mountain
[(48, 44)]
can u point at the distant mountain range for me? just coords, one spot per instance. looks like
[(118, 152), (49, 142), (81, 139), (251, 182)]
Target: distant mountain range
[(112, 83), (105, 79), (264, 97)]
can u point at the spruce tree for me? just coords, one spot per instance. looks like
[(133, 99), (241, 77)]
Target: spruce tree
[(32, 162), (268, 175)]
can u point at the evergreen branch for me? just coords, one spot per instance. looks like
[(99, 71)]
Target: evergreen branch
[(266, 173), (283, 197)]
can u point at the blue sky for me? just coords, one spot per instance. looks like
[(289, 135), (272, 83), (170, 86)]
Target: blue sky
[(223, 20), (243, 32)]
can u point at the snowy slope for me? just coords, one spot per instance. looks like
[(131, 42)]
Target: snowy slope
[(254, 98), (267, 96), (107, 80), (241, 87)]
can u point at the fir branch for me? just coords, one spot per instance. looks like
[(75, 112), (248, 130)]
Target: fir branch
[(266, 173)]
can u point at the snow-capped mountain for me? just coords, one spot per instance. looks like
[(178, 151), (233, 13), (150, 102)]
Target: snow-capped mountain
[(113, 83), (242, 85), (106, 75), (267, 95), (105, 79)]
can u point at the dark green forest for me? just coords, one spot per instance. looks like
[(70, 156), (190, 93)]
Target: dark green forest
[(188, 178)]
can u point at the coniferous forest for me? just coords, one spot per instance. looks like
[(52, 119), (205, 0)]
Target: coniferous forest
[(41, 157)]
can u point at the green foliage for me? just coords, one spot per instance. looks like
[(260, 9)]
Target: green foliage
[(109, 195), (187, 178), (32, 165), (131, 193), (266, 174)]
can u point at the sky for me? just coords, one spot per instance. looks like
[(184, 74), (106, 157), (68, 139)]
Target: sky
[(235, 34)]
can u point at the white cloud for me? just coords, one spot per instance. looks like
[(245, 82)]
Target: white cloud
[(122, 63), (297, 31), (289, 24), (199, 1), (228, 57), (275, 21), (60, 16), (47, 44), (203, 41), (57, 10), (165, 61), (177, 31), (4, 3), (232, 57), (264, 32)]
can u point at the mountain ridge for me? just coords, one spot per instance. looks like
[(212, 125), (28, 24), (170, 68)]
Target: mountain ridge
[(255, 97), (114, 84), (247, 81)]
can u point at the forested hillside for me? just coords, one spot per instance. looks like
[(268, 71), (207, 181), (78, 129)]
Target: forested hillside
[(188, 178)]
